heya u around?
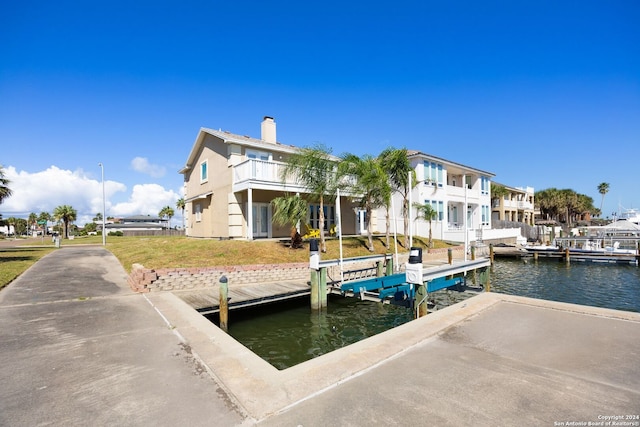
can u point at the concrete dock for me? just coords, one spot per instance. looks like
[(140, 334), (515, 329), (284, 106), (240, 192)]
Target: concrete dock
[(77, 348)]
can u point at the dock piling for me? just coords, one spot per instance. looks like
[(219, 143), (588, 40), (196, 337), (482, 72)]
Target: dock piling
[(224, 303)]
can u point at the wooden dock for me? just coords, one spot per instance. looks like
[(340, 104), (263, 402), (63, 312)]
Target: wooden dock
[(206, 301)]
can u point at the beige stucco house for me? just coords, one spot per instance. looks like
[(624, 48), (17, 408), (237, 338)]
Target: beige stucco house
[(517, 205), (230, 180)]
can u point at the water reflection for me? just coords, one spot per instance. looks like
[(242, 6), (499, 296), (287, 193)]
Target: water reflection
[(289, 333), (597, 285)]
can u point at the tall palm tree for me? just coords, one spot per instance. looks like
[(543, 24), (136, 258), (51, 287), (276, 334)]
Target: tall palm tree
[(166, 212), (180, 204), (5, 191), (290, 210), (395, 163), (426, 212), (314, 169), (66, 214), (370, 188), (33, 221), (603, 188)]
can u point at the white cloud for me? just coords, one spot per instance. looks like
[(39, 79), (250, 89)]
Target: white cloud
[(44, 191), (142, 165), (146, 199)]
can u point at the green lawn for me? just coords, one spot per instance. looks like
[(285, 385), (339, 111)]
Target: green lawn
[(171, 252), (15, 261)]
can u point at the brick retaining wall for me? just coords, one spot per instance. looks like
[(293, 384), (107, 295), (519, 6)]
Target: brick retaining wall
[(168, 279)]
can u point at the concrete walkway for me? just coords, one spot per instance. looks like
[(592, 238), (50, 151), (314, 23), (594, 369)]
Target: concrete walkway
[(78, 348)]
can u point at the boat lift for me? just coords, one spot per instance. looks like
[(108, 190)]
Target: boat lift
[(398, 286)]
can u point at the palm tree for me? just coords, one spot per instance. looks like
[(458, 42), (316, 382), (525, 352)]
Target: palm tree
[(33, 221), (426, 212), (5, 191), (395, 162), (166, 212), (180, 204), (45, 217), (603, 188), (314, 169), (66, 214), (370, 189), (498, 191), (290, 209)]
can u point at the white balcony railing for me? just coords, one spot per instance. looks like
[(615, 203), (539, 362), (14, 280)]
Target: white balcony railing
[(254, 171), (259, 170)]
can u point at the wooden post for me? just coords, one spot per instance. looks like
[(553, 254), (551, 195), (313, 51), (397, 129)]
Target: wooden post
[(567, 258), (379, 268), (450, 255), (491, 253), (322, 288), (535, 256), (421, 301), (484, 278), (223, 303), (315, 285), (473, 253), (389, 266)]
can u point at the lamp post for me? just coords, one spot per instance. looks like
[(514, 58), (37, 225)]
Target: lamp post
[(104, 209)]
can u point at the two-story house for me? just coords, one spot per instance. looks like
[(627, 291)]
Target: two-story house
[(460, 195), (516, 205), (230, 180)]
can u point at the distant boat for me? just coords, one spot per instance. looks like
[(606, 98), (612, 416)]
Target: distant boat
[(631, 215)]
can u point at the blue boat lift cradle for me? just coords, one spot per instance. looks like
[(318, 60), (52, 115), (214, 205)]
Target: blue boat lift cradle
[(396, 285)]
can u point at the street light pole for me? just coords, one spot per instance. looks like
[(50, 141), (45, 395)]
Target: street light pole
[(104, 210)]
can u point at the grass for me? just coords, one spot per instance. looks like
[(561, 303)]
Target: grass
[(16, 260), (172, 252)]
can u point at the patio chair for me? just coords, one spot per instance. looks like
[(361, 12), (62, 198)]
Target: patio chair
[(310, 233)]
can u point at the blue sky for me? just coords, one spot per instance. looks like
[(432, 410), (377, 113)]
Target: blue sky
[(542, 94)]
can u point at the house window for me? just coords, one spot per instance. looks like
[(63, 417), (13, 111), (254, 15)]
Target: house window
[(485, 215), (198, 212), (484, 185), (329, 216), (433, 173), (204, 171), (260, 155), (438, 207)]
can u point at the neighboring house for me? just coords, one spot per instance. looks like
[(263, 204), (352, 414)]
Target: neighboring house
[(517, 205), (230, 180), (137, 223), (460, 195)]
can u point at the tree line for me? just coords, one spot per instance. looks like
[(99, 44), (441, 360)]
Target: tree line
[(568, 206)]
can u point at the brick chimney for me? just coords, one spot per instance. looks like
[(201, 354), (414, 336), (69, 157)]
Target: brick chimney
[(268, 128)]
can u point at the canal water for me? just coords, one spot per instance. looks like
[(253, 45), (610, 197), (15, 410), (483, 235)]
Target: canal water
[(285, 334)]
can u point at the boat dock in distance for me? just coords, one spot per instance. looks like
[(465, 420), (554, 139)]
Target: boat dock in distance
[(580, 249)]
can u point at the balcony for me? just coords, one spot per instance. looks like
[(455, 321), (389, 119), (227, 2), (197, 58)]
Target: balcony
[(265, 175), (261, 174), (457, 194)]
